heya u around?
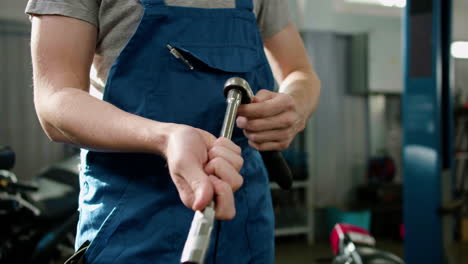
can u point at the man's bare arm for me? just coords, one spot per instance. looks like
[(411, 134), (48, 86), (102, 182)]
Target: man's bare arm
[(62, 52), (292, 68)]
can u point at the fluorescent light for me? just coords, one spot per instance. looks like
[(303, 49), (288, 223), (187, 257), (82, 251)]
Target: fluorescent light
[(460, 49), (400, 3), (369, 2), (387, 3)]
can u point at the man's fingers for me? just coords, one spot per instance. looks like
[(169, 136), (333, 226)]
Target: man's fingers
[(271, 106), (261, 109), (224, 199), (263, 95), (235, 159), (223, 170), (268, 135), (271, 145), (227, 143), (284, 120)]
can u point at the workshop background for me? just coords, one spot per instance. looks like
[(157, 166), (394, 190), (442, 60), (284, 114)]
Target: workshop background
[(347, 163)]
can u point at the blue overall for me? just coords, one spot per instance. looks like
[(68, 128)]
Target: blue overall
[(130, 209)]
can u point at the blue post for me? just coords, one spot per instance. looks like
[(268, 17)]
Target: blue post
[(427, 126)]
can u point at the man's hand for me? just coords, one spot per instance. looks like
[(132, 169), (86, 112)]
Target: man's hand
[(203, 167), (271, 121)]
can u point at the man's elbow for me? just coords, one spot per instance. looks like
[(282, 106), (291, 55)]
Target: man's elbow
[(52, 132), (54, 135), (43, 111)]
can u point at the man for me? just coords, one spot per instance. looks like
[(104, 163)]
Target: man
[(148, 130)]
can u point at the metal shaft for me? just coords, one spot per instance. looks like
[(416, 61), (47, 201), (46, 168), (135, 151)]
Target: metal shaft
[(234, 99), (199, 236)]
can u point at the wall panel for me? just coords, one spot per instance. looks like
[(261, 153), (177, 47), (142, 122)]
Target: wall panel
[(338, 130)]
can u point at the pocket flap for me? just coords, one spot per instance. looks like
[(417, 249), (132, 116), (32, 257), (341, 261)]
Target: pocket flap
[(225, 58)]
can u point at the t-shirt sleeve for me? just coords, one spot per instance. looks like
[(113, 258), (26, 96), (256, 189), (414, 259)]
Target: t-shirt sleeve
[(86, 10), (272, 16)]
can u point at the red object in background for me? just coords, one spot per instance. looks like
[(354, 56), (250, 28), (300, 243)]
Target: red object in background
[(402, 231), (381, 170), (356, 234)]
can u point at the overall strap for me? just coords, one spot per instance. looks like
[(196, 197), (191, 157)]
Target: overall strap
[(153, 2), (240, 4), (244, 4)]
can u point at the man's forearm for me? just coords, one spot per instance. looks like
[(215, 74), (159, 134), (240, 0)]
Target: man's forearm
[(62, 50), (73, 116), (292, 69), (304, 87)]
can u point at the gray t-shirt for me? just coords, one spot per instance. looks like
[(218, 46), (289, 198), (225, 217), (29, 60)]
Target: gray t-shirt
[(118, 19)]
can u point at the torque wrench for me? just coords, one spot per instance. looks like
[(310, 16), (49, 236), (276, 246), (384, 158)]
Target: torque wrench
[(237, 91)]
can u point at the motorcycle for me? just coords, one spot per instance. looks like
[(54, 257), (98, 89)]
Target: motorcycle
[(38, 220), (354, 245)]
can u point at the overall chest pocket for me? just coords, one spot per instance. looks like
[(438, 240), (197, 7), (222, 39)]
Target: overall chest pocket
[(217, 58), (193, 82)]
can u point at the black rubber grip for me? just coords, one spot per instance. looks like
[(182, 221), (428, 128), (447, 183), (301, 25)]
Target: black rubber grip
[(20, 187), (278, 169), (7, 158)]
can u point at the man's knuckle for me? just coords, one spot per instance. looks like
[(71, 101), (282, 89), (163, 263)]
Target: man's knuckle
[(283, 144), (216, 163), (238, 183), (290, 103), (252, 126), (263, 92), (260, 147), (288, 120), (231, 214), (237, 149), (225, 142), (241, 163), (237, 164), (225, 187), (213, 152)]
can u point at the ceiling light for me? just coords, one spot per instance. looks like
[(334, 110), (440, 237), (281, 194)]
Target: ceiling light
[(459, 49), (369, 2), (386, 3)]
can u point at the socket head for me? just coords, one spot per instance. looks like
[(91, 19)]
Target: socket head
[(240, 85)]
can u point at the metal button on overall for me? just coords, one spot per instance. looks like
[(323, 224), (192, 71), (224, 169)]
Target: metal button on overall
[(131, 211)]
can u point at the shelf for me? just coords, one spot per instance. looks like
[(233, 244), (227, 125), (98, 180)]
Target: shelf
[(461, 155), (287, 231), (296, 184)]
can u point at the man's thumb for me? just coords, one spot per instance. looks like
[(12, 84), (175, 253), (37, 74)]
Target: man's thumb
[(202, 190)]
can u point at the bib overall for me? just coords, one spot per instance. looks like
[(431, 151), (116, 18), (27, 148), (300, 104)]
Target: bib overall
[(129, 207)]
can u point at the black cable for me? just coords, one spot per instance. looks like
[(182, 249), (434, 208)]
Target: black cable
[(218, 230)]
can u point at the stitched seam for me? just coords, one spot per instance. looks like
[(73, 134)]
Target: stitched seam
[(118, 207)]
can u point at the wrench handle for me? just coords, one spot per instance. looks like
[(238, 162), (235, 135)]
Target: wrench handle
[(277, 168), (276, 165)]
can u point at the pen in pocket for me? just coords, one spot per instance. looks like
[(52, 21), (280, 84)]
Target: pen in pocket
[(179, 56)]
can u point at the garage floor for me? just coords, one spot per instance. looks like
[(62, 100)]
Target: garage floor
[(294, 250)]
